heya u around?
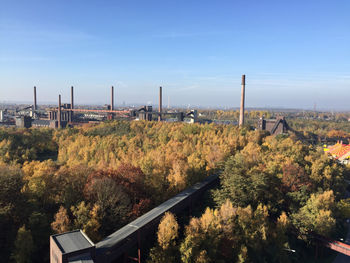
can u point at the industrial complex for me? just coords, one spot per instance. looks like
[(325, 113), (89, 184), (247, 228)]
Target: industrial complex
[(68, 115)]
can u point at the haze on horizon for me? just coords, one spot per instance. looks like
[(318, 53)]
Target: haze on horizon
[(295, 53)]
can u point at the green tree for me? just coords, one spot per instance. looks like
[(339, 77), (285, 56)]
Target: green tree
[(317, 215), (23, 246), (87, 219), (39, 225), (243, 182), (343, 208)]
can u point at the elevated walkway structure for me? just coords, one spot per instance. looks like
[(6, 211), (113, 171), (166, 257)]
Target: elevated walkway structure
[(115, 247)]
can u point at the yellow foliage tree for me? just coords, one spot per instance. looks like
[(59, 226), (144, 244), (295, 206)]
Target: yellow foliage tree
[(167, 231), (62, 222)]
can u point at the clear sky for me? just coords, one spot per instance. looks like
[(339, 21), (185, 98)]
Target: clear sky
[(295, 53)]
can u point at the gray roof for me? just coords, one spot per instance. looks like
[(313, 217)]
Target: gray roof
[(41, 122), (72, 241)]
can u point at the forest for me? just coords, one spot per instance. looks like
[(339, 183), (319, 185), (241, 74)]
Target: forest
[(274, 195), (98, 178), (274, 191)]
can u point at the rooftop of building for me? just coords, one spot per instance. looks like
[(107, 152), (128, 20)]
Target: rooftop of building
[(72, 241), (339, 150), (41, 122)]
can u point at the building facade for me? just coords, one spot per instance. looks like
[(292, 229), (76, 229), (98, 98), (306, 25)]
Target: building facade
[(274, 126)]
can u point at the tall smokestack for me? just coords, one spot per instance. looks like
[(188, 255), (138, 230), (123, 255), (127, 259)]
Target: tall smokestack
[(241, 112), (34, 106), (160, 104), (59, 111), (112, 98), (71, 103), (72, 97)]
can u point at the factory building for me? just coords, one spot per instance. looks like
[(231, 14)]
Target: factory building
[(27, 122), (72, 246), (23, 121), (48, 124), (145, 113), (274, 126), (65, 115)]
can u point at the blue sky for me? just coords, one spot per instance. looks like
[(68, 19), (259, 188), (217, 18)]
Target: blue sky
[(295, 53)]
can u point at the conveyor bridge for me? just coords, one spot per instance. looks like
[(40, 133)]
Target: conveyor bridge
[(114, 248)]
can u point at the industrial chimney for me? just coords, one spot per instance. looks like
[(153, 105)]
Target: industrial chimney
[(72, 97), (160, 104), (241, 111), (34, 105), (59, 111), (112, 98), (71, 102)]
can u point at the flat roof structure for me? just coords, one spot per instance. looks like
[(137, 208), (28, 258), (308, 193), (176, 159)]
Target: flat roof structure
[(73, 246), (72, 241)]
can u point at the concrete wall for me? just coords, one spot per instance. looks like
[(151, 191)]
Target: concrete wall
[(55, 252)]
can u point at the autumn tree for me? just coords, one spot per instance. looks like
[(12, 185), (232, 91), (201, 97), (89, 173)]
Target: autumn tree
[(40, 181), (339, 134), (87, 219), (13, 207), (62, 222), (317, 215), (166, 250), (167, 231), (281, 239), (229, 234), (113, 202), (202, 239), (20, 145), (71, 182)]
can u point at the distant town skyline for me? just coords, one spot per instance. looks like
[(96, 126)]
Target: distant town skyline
[(295, 54)]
